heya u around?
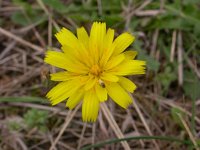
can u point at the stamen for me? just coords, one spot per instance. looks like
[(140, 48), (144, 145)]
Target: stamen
[(96, 70)]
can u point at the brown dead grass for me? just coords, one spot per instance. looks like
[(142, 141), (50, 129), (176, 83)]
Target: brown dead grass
[(23, 73)]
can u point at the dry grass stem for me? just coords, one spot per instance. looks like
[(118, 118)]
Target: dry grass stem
[(114, 125), (167, 38), (7, 49), (171, 103), (180, 59), (54, 110), (20, 40), (82, 136), (192, 138), (144, 121), (142, 6), (99, 7), (149, 13), (135, 127), (93, 134), (154, 42), (41, 4), (50, 31), (173, 46), (193, 67), (69, 117)]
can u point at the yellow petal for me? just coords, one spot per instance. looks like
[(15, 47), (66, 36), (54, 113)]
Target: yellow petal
[(109, 77), (76, 56), (60, 60), (56, 59), (130, 54), (66, 37), (108, 39), (83, 36), (70, 52), (97, 34), (127, 84), (118, 94), (107, 47), (90, 106), (62, 91), (101, 93), (70, 44), (74, 99), (114, 61), (62, 76), (90, 83), (122, 42), (129, 67)]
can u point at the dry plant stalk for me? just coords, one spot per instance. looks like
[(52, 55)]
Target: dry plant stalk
[(180, 59), (192, 138), (82, 134), (173, 46), (114, 125), (144, 121), (69, 117), (20, 40)]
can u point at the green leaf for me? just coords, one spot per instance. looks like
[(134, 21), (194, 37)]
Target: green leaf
[(166, 78), (15, 125), (20, 19), (28, 15), (191, 85), (187, 2), (36, 118), (1, 22), (152, 64), (58, 5), (175, 112)]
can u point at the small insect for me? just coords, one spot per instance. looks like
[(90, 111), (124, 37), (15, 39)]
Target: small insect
[(101, 83)]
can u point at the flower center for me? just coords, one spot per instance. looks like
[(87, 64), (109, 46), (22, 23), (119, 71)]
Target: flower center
[(96, 70)]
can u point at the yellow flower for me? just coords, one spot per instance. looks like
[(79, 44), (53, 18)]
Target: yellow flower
[(94, 66)]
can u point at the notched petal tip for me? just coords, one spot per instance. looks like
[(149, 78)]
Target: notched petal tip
[(122, 42), (90, 106)]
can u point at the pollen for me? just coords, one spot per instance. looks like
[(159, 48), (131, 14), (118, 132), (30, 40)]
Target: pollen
[(96, 70)]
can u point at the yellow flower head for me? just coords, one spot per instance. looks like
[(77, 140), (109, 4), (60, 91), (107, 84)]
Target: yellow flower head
[(94, 66)]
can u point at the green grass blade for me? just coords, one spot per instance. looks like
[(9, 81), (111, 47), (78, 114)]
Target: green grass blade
[(171, 139), (28, 99)]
